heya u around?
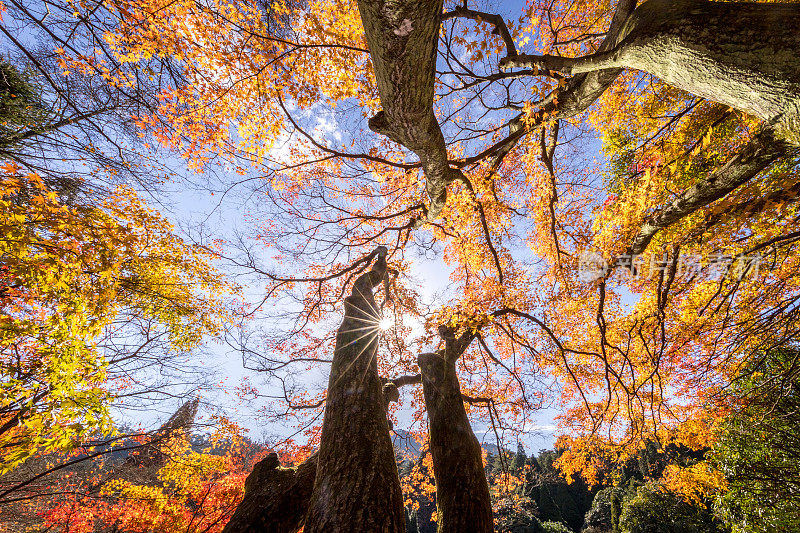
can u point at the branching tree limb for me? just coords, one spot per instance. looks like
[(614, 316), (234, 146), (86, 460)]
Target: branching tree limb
[(758, 154), (500, 27), (732, 53), (402, 38), (572, 97)]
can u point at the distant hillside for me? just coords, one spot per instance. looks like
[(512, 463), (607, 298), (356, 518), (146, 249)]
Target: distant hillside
[(404, 443)]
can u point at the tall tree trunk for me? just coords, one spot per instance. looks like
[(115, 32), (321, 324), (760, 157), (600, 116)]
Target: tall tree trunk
[(357, 487), (462, 492), (275, 498), (741, 54)]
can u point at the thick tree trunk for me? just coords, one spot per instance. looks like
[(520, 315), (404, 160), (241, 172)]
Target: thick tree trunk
[(745, 55), (357, 487), (403, 36), (741, 54), (275, 498), (462, 492)]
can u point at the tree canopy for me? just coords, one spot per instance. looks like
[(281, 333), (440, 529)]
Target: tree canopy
[(70, 276), (630, 289), (450, 138)]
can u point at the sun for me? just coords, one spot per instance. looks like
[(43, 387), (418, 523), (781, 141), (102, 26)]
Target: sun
[(385, 324)]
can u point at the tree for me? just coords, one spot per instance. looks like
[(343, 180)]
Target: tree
[(411, 522), (357, 484), (19, 105), (556, 499), (656, 510), (462, 493), (275, 498), (68, 272), (604, 513), (758, 446), (555, 527), (157, 482), (476, 156), (78, 129), (419, 491), (516, 515), (694, 31), (520, 459)]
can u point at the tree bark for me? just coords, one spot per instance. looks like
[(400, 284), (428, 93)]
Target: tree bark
[(357, 487), (462, 492), (275, 498), (740, 54), (402, 36)]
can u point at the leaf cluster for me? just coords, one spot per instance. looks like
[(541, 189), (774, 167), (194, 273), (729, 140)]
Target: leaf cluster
[(68, 272)]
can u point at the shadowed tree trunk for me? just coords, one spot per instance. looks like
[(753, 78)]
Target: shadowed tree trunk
[(357, 481), (357, 487), (275, 498), (462, 492)]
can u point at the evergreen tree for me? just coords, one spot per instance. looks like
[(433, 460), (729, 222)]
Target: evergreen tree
[(557, 500), (519, 460), (654, 510), (759, 447), (20, 106)]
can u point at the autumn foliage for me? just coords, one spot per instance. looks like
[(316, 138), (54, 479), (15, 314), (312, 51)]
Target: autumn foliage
[(614, 345), (688, 219), (70, 272), (191, 490)]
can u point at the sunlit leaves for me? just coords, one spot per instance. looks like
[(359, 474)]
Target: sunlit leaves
[(627, 358), (194, 490), (68, 270)]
